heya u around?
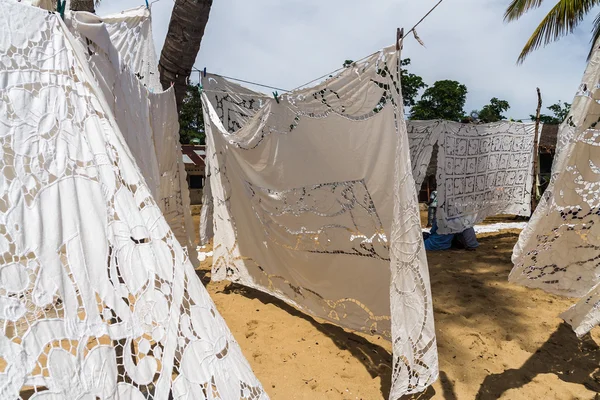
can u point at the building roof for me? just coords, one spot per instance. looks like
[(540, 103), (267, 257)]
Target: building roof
[(548, 138), (194, 154)]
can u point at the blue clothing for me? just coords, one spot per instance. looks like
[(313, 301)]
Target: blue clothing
[(464, 240), (436, 241)]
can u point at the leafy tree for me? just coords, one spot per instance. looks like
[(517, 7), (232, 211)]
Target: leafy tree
[(191, 120), (493, 111), (560, 21), (411, 84), (444, 100), (560, 112)]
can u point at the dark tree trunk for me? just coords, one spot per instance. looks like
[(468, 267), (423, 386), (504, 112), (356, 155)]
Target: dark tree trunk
[(83, 5), (182, 44)]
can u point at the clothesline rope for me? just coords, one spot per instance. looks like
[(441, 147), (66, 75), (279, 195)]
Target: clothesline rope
[(422, 19), (236, 93), (244, 81), (339, 69), (330, 73)]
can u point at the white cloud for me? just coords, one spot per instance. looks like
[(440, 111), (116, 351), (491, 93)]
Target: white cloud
[(288, 43)]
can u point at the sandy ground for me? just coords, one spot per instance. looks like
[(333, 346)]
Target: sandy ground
[(495, 340)]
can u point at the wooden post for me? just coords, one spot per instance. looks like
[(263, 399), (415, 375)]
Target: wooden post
[(536, 152), (399, 36)]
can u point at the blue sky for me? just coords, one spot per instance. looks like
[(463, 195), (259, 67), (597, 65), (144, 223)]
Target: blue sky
[(286, 43)]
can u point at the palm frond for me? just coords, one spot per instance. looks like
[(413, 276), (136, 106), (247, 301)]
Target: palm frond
[(517, 8), (595, 35), (560, 21)]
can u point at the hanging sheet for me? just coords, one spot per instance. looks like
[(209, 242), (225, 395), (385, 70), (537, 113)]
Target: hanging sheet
[(174, 194), (492, 176), (558, 250), (422, 136), (207, 210), (314, 203), (234, 105), (483, 170), (147, 116), (130, 32), (97, 298)]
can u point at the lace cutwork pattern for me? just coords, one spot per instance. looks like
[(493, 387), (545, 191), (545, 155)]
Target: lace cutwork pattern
[(492, 178), (483, 170), (334, 218), (146, 115), (559, 250), (97, 298), (422, 136), (131, 34), (302, 211)]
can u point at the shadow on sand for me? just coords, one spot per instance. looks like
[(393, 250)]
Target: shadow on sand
[(376, 359), (571, 359)]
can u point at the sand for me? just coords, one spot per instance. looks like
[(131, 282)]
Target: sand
[(496, 340)]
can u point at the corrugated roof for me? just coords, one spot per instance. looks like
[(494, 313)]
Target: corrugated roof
[(194, 154)]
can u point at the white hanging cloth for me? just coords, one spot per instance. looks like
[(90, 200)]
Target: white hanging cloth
[(120, 52), (130, 32), (558, 250), (234, 105), (206, 212), (315, 203), (483, 170), (97, 298), (422, 136)]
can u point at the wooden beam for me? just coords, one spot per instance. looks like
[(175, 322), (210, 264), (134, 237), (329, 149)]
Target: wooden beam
[(399, 36), (536, 152)]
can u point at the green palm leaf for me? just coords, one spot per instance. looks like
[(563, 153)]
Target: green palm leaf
[(595, 34), (561, 20), (517, 8)]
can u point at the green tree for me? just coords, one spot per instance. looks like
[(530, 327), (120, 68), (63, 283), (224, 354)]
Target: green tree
[(444, 100), (493, 111), (560, 21), (559, 111), (410, 83), (191, 119)]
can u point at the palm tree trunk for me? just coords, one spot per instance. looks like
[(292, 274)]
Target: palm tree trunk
[(182, 44), (83, 5)]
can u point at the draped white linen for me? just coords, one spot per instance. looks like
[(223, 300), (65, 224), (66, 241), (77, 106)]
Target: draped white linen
[(315, 203), (422, 136), (483, 170), (559, 249), (98, 300), (120, 53)]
